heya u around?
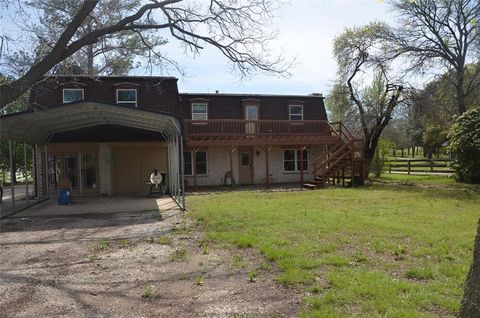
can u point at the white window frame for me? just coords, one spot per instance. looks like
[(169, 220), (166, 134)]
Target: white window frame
[(296, 159), (127, 102), (72, 89), (206, 110), (191, 163), (290, 112)]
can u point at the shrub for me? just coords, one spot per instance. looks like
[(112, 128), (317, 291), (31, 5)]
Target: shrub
[(465, 142), (381, 152)]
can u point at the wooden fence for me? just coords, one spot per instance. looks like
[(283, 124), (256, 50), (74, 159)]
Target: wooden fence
[(419, 165)]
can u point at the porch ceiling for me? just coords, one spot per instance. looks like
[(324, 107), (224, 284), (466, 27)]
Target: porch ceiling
[(38, 127)]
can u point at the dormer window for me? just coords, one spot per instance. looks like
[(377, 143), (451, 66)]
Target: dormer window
[(296, 112), (199, 111), (127, 96), (71, 95)]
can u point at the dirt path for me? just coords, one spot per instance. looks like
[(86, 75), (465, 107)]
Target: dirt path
[(131, 265)]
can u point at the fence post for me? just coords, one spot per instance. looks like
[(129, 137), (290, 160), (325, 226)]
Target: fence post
[(408, 162), (431, 165)]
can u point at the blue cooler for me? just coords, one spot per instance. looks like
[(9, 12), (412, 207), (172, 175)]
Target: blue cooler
[(64, 196)]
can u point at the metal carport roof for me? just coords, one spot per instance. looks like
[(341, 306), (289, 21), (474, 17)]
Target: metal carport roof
[(37, 127)]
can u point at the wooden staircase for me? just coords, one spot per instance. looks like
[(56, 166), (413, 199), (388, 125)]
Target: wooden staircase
[(341, 163)]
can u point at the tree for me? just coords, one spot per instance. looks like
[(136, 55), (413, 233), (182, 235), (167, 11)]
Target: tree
[(434, 136), (434, 33), (17, 148), (471, 298), (340, 107), (465, 142), (113, 54), (358, 50), (237, 29)]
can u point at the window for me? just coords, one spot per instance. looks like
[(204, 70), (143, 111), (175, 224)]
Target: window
[(296, 112), (200, 163), (71, 95), (127, 96), (245, 159), (291, 160), (199, 111)]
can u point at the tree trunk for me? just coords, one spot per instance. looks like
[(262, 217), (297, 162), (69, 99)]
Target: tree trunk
[(471, 297), (13, 178), (460, 90), (90, 69)]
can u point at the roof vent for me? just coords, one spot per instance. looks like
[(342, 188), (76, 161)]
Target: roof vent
[(316, 94)]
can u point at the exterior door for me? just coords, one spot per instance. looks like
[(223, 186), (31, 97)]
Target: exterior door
[(246, 165), (89, 173), (127, 171), (251, 117)]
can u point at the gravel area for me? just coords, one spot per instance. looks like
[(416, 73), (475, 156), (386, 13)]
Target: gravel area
[(131, 264)]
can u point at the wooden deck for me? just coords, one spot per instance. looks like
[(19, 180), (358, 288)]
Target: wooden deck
[(224, 132)]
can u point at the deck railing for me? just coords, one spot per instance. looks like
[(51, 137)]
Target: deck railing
[(256, 128)]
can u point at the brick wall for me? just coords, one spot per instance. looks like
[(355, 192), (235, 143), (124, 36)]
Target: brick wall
[(105, 169)]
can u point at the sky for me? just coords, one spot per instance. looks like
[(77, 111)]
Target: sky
[(307, 29)]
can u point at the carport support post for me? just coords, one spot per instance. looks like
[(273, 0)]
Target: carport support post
[(176, 163), (194, 163), (182, 171), (46, 171), (12, 172), (170, 167), (25, 174), (37, 174)]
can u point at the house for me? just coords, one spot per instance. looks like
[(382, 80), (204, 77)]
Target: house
[(107, 134)]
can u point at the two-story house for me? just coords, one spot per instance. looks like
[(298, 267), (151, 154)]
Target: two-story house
[(107, 134)]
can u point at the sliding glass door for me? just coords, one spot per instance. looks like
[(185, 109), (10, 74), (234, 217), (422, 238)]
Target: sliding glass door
[(80, 170)]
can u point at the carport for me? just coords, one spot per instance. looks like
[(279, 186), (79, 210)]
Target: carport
[(35, 129)]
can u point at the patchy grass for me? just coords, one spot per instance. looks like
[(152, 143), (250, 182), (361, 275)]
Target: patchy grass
[(446, 182), (162, 240), (148, 291), (179, 255), (200, 280), (123, 243), (380, 251), (103, 245)]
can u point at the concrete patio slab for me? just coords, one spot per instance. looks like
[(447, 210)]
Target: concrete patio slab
[(99, 205)]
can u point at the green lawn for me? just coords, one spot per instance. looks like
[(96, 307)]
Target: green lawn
[(377, 251)]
